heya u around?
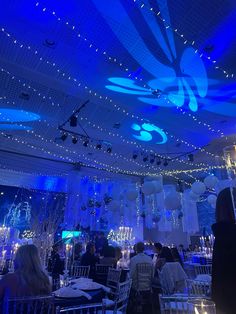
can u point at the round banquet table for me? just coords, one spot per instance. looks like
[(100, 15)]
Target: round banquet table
[(97, 296)]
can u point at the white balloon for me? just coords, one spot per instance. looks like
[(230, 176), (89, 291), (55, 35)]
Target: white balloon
[(211, 181), (198, 188), (131, 195), (212, 200), (158, 186), (193, 196), (148, 188), (173, 200)]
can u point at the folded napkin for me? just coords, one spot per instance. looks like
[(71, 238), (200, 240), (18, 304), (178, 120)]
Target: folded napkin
[(203, 277), (90, 285), (71, 292)]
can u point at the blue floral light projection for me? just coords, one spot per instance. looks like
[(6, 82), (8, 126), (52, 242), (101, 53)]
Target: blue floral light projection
[(185, 77), (145, 135)]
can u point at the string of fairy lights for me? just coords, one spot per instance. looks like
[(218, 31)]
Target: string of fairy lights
[(117, 156), (121, 64), (118, 108)]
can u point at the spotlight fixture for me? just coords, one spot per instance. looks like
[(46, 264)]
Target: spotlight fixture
[(158, 161), (135, 155), (145, 158), (190, 157), (73, 121), (109, 150), (74, 140), (64, 136), (99, 146), (165, 163), (152, 159), (85, 143)]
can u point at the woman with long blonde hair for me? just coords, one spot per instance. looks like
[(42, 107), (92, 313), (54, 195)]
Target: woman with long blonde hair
[(29, 278)]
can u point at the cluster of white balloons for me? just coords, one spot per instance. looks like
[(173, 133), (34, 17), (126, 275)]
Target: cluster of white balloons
[(148, 188), (198, 188)]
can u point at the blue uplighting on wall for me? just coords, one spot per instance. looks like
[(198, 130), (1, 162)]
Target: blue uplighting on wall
[(50, 183), (145, 132)]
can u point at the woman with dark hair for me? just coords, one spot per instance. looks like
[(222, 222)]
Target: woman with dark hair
[(224, 253), (176, 255), (164, 257)]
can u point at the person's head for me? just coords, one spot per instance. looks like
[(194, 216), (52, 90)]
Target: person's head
[(175, 254), (140, 247), (158, 247), (55, 249), (27, 264), (181, 247), (90, 248), (224, 206), (109, 251), (166, 253)]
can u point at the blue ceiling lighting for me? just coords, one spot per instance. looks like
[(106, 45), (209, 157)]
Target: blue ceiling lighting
[(145, 135), (14, 115), (11, 126)]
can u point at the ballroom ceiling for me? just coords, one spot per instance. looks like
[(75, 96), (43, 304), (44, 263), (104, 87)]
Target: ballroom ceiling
[(157, 78)]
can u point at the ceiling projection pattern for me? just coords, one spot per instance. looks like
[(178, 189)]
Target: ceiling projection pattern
[(183, 79)]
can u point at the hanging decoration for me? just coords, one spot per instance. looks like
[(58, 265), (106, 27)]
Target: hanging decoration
[(173, 200), (198, 188)]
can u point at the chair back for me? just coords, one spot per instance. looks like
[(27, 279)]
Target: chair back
[(102, 273), (144, 273), (80, 271), (197, 288), (113, 279), (122, 296), (95, 308), (29, 305), (172, 278), (173, 305), (203, 269)]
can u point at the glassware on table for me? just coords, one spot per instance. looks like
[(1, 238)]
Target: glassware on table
[(201, 306)]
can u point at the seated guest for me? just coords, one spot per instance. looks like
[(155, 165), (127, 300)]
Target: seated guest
[(55, 264), (157, 252), (109, 256), (140, 258), (89, 259), (77, 251), (100, 243), (164, 257), (176, 255), (29, 278)]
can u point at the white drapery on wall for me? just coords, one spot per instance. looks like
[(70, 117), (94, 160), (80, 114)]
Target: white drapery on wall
[(190, 216)]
